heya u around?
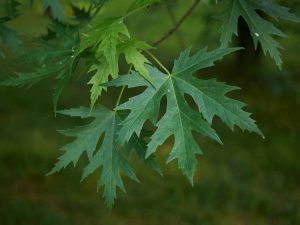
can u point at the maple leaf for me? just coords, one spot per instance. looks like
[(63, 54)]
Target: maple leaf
[(51, 60), (132, 51), (108, 155), (30, 78), (261, 30), (10, 38), (107, 40), (103, 38), (101, 76), (180, 119), (56, 7), (139, 145)]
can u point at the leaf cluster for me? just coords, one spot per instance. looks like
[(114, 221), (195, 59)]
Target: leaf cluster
[(114, 135)]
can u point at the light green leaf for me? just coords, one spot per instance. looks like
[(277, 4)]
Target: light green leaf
[(132, 51), (262, 31), (108, 46), (103, 39), (180, 119), (101, 76), (108, 155)]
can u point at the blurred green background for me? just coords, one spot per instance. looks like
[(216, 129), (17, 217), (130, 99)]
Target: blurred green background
[(247, 181)]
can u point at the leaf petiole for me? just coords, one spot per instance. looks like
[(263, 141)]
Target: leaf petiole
[(158, 62), (122, 90)]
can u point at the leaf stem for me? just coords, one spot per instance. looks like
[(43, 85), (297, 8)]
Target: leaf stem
[(178, 24), (120, 96), (122, 90), (157, 61)]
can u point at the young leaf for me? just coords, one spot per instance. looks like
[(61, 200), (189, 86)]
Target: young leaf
[(101, 76), (132, 51), (180, 119), (110, 39), (261, 29), (108, 155), (108, 46), (103, 39)]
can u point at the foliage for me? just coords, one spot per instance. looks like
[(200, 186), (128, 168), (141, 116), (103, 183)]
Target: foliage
[(99, 48), (261, 30), (180, 120)]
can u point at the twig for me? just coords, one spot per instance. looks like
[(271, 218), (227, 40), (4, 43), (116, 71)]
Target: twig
[(178, 24), (174, 21)]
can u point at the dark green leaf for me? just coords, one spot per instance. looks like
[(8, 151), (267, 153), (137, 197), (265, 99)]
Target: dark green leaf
[(180, 119), (108, 155), (262, 31), (56, 7), (10, 38)]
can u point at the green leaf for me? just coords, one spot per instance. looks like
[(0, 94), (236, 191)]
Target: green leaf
[(63, 78), (103, 39), (10, 8), (10, 38), (108, 155), (132, 51), (140, 146), (101, 76), (50, 59), (262, 31), (56, 7), (140, 4), (109, 41), (180, 119), (29, 79)]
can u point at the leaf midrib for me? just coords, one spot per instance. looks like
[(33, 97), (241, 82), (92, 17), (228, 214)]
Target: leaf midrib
[(199, 90)]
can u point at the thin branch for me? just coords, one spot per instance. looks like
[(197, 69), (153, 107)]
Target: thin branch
[(178, 24), (174, 21)]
